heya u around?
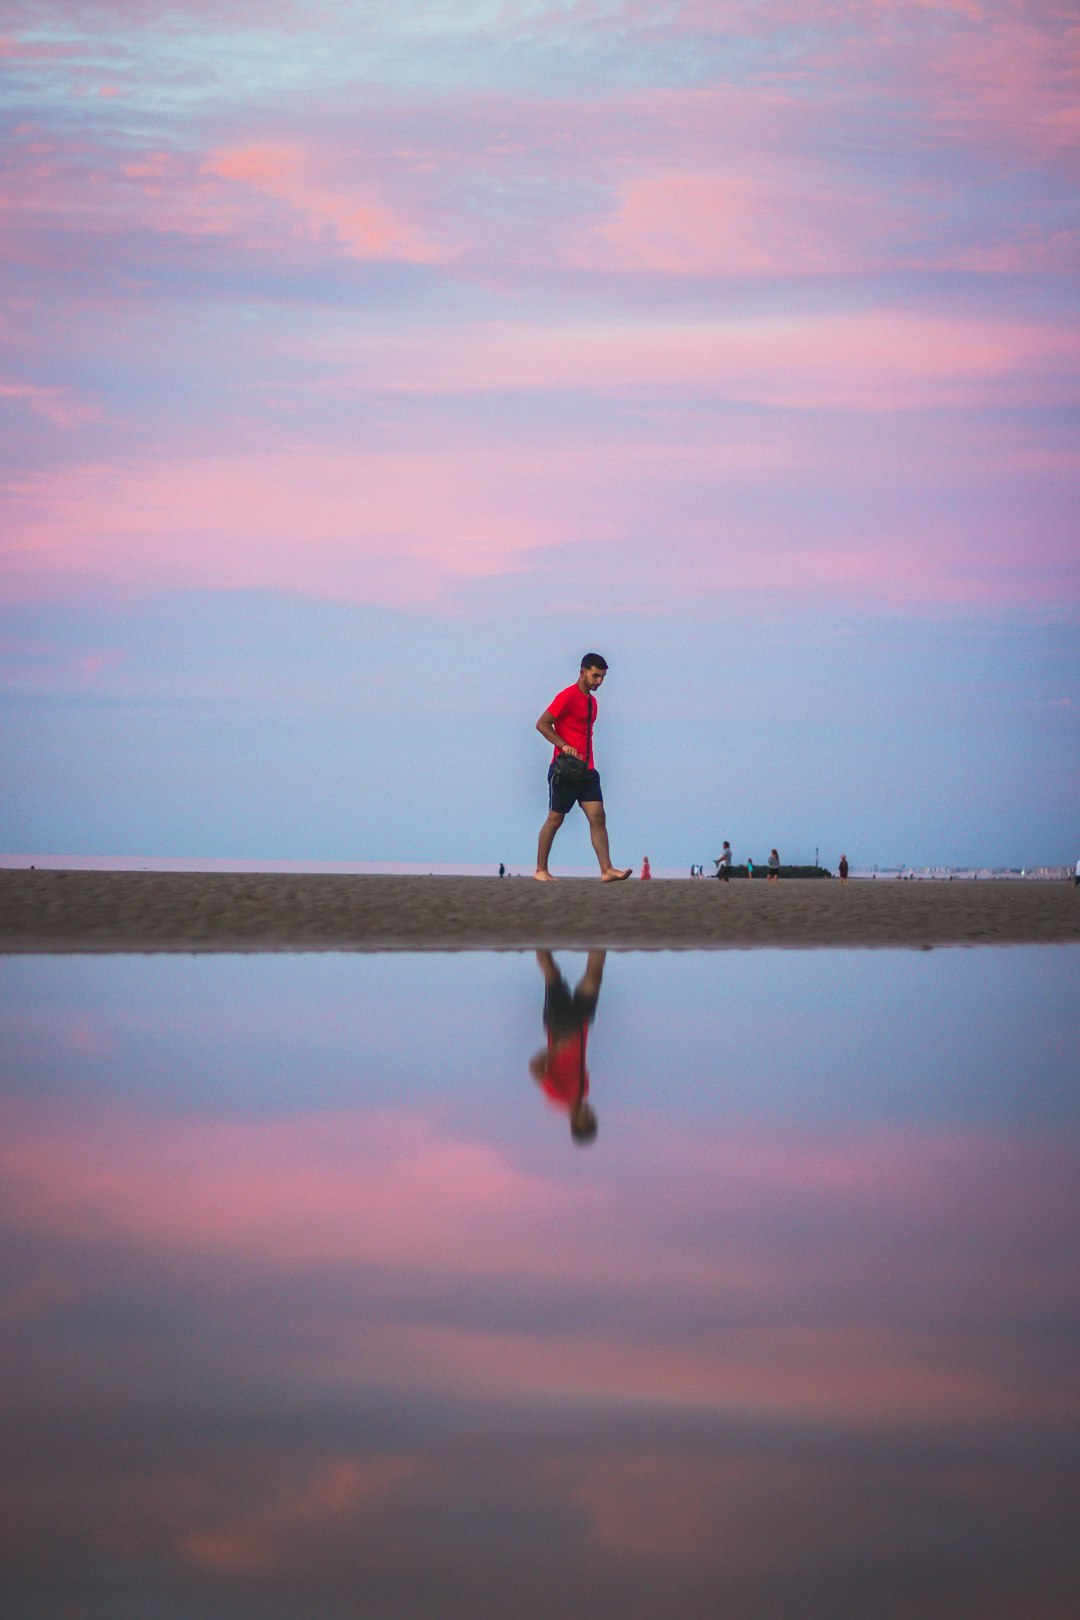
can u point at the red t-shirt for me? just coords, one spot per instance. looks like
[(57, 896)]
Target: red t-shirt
[(566, 1079), (570, 712)]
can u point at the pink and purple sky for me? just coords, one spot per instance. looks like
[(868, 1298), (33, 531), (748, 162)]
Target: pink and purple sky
[(363, 365)]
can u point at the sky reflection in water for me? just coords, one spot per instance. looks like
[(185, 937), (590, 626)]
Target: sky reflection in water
[(312, 1305)]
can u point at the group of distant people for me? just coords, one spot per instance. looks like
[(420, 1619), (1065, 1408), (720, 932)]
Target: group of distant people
[(723, 865)]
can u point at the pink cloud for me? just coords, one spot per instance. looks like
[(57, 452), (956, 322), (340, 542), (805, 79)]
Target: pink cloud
[(767, 178), (653, 1506), (745, 16), (181, 1190), (742, 180), (1025, 252), (843, 1374), (257, 1540), (786, 217), (256, 198), (328, 200), (370, 526), (39, 1298), (45, 665), (56, 404), (745, 1219), (667, 1507), (780, 219), (91, 665), (13, 49), (1013, 78), (408, 526), (867, 360)]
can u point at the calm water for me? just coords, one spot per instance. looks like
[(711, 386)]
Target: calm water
[(312, 1306)]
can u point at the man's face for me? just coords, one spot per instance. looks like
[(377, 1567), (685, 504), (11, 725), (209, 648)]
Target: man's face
[(594, 679)]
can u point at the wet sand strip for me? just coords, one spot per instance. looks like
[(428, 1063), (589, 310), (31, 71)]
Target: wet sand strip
[(81, 911)]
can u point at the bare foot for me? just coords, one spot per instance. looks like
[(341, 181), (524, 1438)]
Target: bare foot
[(544, 877), (615, 874)]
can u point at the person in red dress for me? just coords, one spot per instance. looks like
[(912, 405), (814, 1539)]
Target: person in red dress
[(561, 1068), (646, 869), (567, 724)]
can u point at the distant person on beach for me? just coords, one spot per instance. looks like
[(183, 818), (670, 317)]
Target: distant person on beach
[(502, 869), (561, 1069), (774, 867), (646, 869), (843, 868), (567, 724), (1076, 876), (723, 863), (749, 868)]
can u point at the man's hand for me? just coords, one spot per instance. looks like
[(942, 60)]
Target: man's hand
[(564, 748)]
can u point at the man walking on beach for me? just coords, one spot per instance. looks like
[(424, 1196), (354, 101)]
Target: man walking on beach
[(567, 724)]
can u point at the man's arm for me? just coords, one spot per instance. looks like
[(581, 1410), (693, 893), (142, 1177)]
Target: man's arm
[(546, 727)]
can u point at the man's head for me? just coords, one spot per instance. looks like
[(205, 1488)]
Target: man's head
[(593, 670), (583, 1126)]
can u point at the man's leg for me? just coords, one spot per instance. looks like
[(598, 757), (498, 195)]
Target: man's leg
[(594, 973), (594, 809), (543, 850)]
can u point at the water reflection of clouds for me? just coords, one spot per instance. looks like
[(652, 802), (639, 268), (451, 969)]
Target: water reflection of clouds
[(410, 1348), (834, 1278)]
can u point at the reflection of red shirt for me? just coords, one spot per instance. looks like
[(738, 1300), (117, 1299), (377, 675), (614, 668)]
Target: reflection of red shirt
[(566, 1079), (570, 712)]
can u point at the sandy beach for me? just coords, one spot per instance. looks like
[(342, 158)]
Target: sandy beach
[(55, 911)]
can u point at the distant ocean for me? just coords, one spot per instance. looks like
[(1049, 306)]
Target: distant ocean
[(173, 863)]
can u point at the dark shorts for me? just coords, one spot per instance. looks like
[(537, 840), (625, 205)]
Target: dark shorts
[(567, 1013), (562, 798)]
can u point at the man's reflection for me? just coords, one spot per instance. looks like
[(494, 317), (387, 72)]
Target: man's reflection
[(561, 1068)]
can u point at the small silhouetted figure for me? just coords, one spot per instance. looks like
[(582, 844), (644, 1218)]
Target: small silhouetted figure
[(502, 869), (723, 863), (646, 869), (774, 867), (561, 1067), (749, 868), (1076, 876), (843, 868)]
